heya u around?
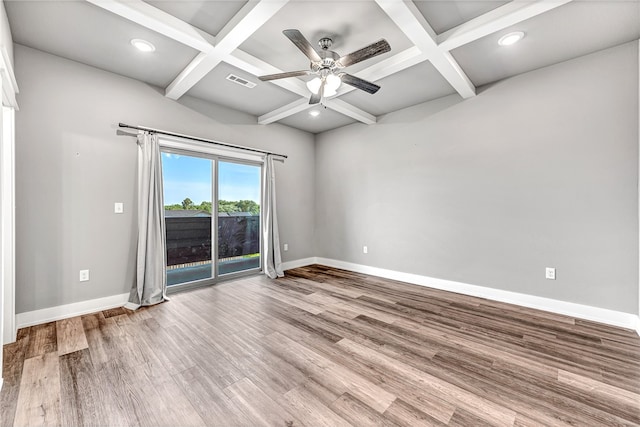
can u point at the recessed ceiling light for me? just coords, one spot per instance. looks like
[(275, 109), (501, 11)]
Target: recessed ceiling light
[(314, 113), (511, 38), (143, 45)]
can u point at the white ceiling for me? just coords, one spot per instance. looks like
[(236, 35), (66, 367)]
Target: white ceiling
[(438, 48)]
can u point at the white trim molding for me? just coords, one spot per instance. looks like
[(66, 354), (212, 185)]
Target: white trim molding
[(596, 314), (186, 144), (7, 224), (9, 83), (66, 311), (289, 265)]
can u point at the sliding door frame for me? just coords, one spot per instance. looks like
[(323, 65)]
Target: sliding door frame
[(216, 155), (252, 271), (214, 212)]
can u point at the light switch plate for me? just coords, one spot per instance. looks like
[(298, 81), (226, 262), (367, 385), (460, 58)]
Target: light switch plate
[(550, 273), (118, 207)]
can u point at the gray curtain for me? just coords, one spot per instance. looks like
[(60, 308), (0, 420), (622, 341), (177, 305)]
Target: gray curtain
[(270, 238), (150, 284)]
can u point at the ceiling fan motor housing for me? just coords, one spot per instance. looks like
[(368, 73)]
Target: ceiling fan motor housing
[(329, 61), (329, 57), (325, 43)]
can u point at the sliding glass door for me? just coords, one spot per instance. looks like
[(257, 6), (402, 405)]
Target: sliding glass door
[(238, 217), (212, 217), (188, 195)]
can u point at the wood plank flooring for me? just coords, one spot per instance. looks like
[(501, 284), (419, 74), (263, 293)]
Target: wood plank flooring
[(322, 347)]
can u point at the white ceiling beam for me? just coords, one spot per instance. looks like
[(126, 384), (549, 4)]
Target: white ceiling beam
[(199, 67), (284, 111), (494, 21), (251, 17), (394, 64), (303, 104), (159, 21), (411, 22), (349, 110)]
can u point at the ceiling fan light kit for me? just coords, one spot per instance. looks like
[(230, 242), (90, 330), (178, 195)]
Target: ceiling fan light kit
[(326, 65), (331, 85)]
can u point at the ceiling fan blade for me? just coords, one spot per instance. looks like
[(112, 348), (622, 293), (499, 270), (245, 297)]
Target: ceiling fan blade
[(284, 75), (303, 44), (317, 97), (359, 83), (374, 49)]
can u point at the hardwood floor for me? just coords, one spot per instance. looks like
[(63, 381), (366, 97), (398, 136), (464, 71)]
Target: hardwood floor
[(322, 347)]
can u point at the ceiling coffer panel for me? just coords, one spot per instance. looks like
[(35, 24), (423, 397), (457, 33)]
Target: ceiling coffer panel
[(85, 33), (575, 29), (396, 94), (246, 40), (444, 15), (264, 97), (209, 16)]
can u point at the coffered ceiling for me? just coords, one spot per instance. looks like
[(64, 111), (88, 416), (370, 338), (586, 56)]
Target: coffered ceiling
[(438, 48)]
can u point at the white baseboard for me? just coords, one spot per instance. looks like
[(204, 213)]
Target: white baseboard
[(299, 263), (601, 315), (60, 312)]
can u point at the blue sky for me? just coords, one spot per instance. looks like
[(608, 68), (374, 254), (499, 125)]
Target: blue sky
[(186, 176)]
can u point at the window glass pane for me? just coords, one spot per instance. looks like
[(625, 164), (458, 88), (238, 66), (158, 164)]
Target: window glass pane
[(187, 184), (238, 217)]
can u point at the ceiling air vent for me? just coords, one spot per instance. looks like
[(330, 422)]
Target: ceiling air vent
[(241, 81)]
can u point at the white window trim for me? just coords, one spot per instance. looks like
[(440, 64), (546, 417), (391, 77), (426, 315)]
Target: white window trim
[(176, 143)]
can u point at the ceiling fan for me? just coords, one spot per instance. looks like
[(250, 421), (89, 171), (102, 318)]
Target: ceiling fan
[(327, 66)]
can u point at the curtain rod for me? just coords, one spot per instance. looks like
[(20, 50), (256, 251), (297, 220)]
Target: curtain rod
[(194, 138)]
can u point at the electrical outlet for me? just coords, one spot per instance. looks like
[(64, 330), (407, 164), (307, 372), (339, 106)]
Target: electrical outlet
[(365, 250), (550, 273), (118, 207), (285, 247), (84, 275)]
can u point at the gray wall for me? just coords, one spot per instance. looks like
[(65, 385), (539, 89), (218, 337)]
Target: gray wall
[(71, 168), (537, 171)]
